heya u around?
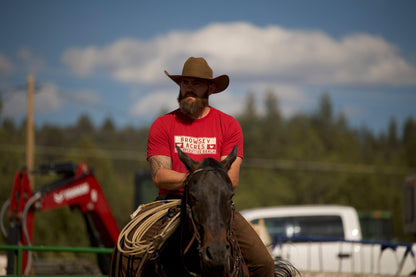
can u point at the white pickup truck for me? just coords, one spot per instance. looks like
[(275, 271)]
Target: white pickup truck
[(327, 238)]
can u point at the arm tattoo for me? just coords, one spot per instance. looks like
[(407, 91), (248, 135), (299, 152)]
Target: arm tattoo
[(157, 162)]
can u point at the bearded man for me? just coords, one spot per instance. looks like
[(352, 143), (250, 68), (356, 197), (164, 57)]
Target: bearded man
[(202, 131)]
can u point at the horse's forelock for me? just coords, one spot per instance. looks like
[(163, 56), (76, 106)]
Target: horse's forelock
[(211, 163)]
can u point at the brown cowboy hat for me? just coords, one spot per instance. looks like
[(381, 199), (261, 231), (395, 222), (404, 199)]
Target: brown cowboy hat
[(199, 68)]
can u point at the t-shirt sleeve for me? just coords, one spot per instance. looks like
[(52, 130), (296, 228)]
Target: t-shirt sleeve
[(233, 136), (158, 141)]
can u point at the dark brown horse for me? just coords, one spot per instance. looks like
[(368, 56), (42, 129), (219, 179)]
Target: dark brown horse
[(203, 244)]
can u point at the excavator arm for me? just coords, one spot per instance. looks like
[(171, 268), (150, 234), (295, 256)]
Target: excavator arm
[(77, 187)]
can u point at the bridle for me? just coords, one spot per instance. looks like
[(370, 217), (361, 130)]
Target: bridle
[(189, 215)]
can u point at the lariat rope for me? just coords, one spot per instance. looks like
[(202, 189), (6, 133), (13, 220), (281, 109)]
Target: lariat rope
[(145, 220), (137, 245)]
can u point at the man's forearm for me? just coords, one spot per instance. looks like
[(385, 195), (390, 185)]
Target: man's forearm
[(162, 174), (169, 179)]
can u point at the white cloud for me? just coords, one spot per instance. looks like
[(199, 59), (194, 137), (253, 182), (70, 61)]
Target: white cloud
[(228, 102), (81, 61), (251, 53), (258, 59), (15, 105), (46, 100), (353, 111), (33, 62), (291, 98), (6, 66), (84, 97), (152, 103)]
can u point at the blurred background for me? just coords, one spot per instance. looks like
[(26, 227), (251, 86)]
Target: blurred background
[(325, 92)]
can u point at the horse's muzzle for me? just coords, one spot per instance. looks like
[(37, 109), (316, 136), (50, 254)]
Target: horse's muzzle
[(216, 256)]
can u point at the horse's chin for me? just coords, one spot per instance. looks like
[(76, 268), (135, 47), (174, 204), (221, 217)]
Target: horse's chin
[(216, 272), (218, 265)]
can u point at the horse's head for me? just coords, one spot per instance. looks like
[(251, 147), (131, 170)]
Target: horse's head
[(208, 197)]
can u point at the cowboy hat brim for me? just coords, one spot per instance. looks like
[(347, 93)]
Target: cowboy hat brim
[(221, 81)]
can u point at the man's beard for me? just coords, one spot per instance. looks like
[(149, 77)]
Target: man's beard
[(193, 107)]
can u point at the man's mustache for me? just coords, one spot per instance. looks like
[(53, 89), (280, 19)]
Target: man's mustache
[(190, 94), (193, 94)]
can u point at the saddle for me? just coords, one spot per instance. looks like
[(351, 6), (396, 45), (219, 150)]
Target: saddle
[(150, 226)]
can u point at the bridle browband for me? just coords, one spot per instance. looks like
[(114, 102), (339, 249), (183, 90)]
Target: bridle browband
[(197, 236)]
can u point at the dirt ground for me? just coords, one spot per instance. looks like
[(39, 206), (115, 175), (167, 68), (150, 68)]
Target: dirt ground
[(336, 274)]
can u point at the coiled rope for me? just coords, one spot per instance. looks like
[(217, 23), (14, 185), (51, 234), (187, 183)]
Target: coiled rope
[(145, 220)]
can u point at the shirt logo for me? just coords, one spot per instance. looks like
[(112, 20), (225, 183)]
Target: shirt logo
[(196, 145)]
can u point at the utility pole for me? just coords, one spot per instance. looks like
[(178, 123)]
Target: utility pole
[(30, 134)]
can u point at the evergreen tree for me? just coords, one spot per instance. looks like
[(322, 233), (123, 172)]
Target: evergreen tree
[(108, 126), (249, 120), (392, 133), (409, 141), (324, 114), (84, 125), (270, 132), (273, 113)]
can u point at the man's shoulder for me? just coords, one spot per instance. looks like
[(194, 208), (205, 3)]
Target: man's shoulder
[(171, 114), (221, 113), (167, 117), (223, 116)]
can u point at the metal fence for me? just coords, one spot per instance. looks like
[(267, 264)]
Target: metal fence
[(340, 255), (20, 249)]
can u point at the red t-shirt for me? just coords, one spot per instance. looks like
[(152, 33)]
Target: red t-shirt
[(214, 136)]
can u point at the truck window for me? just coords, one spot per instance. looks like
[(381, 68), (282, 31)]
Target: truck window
[(304, 226), (376, 225)]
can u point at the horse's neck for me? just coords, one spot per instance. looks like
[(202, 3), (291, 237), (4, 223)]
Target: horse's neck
[(188, 244), (187, 236)]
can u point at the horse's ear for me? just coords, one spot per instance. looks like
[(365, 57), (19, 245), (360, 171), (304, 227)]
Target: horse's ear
[(228, 161), (190, 164)]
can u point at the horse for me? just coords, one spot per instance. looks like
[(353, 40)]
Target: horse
[(203, 244)]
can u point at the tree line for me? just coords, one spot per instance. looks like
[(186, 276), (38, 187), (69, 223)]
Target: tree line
[(314, 158)]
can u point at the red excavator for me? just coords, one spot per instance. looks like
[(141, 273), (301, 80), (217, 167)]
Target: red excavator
[(75, 187)]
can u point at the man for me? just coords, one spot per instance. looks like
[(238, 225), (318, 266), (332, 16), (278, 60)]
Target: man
[(202, 131)]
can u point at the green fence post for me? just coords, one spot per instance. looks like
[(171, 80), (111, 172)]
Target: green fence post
[(19, 261)]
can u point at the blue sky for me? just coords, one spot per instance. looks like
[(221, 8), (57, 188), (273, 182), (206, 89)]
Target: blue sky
[(106, 58)]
